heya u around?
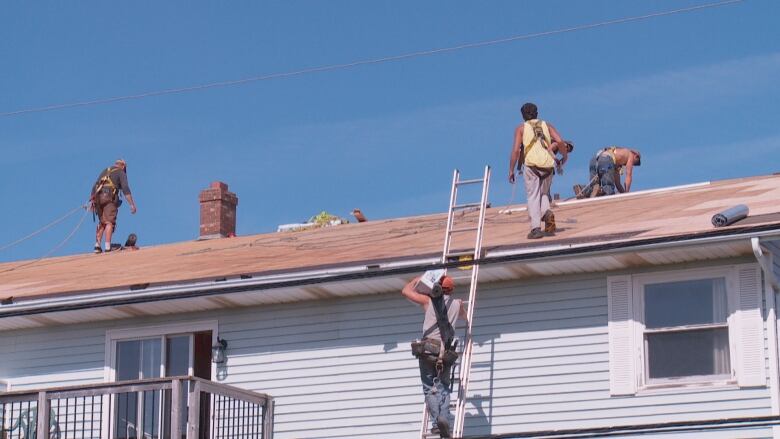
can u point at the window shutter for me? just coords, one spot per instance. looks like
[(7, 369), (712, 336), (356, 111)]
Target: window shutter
[(751, 370), (622, 373)]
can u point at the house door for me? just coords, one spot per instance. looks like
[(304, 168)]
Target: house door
[(146, 414)]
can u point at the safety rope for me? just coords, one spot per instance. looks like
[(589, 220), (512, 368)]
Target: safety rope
[(44, 228), (508, 209), (56, 247)]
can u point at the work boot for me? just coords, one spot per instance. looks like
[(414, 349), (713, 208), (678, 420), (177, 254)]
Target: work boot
[(444, 427), (535, 233), (549, 222)]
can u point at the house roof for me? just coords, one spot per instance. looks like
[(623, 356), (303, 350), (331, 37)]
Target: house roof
[(670, 214)]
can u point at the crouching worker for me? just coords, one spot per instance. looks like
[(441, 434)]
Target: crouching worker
[(605, 170), (436, 351)]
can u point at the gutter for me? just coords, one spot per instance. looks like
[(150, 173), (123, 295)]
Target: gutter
[(765, 262), (680, 427), (356, 272)]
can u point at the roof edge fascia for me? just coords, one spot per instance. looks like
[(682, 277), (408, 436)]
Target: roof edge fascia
[(358, 271)]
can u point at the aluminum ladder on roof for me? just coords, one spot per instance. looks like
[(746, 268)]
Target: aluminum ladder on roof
[(464, 371)]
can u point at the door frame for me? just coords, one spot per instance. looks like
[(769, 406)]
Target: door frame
[(141, 332), (113, 336)]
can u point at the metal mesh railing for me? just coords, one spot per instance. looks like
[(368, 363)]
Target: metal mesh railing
[(233, 418), (167, 408), (18, 417)]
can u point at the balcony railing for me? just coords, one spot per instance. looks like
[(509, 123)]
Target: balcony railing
[(158, 408)]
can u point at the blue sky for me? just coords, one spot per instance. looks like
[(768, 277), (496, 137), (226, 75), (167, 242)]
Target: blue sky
[(697, 93)]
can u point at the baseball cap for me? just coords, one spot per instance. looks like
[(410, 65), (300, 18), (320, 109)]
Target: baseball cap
[(447, 283)]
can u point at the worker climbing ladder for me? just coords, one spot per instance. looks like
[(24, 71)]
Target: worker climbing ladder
[(448, 255)]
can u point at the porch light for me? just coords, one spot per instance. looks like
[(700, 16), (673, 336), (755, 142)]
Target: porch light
[(218, 351)]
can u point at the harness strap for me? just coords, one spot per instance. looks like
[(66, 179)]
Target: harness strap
[(106, 180), (610, 152), (537, 130), (538, 136), (542, 173)]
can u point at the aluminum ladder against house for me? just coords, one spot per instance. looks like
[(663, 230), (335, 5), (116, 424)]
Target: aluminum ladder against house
[(448, 256)]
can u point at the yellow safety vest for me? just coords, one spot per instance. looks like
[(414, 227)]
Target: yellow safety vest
[(536, 139)]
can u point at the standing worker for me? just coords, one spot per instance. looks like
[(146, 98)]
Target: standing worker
[(105, 201), (436, 350), (605, 169), (536, 142)]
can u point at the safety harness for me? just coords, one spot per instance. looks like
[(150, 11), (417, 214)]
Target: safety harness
[(538, 136), (430, 349), (610, 152), (106, 182)]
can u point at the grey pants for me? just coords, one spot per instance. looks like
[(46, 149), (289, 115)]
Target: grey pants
[(537, 190)]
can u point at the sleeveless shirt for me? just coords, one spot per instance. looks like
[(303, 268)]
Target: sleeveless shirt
[(536, 154), (429, 325)]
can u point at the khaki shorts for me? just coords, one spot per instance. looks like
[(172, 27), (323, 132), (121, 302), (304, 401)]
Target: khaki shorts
[(107, 213)]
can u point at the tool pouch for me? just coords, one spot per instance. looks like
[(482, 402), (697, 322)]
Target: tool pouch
[(104, 196), (449, 357), (426, 348)]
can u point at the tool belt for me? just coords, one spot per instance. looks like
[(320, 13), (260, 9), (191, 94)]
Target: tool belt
[(541, 173), (431, 350), (104, 196)]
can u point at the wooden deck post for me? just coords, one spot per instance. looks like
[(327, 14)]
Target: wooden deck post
[(42, 427), (176, 409), (268, 419), (193, 418)]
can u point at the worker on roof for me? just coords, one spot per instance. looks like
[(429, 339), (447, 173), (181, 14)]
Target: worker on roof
[(559, 160), (605, 170), (436, 350), (105, 201), (535, 145)]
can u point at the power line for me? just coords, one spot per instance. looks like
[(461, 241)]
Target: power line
[(364, 62)]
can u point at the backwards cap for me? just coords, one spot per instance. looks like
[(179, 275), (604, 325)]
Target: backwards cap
[(447, 283)]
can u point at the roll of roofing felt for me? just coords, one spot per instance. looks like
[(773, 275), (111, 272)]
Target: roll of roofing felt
[(730, 216)]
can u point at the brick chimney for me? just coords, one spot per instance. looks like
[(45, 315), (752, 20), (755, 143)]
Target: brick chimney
[(217, 211)]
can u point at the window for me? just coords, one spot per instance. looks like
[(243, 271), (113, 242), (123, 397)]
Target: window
[(160, 351), (689, 327), (153, 352), (686, 330)]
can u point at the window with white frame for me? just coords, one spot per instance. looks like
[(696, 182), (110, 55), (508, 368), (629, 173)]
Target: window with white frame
[(700, 326), (160, 351), (152, 352), (685, 330)]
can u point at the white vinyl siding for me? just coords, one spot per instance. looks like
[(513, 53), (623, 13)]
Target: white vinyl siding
[(342, 368), (49, 357)]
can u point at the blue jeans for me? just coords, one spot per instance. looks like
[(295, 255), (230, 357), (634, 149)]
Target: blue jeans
[(436, 391), (603, 170)]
